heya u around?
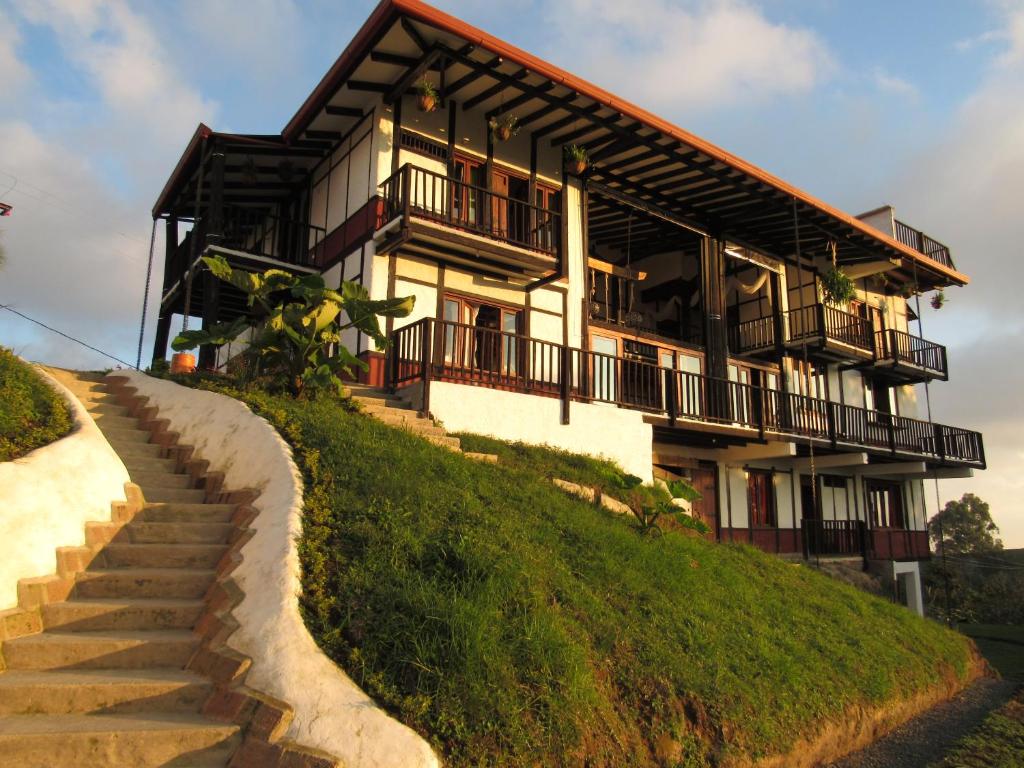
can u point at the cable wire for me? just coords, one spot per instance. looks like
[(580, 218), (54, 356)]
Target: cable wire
[(9, 308)]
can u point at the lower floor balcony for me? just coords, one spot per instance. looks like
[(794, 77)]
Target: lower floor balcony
[(433, 350), (835, 539)]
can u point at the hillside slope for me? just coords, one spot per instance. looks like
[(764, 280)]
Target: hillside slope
[(512, 624), (32, 413)]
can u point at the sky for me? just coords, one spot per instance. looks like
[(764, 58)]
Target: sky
[(917, 104)]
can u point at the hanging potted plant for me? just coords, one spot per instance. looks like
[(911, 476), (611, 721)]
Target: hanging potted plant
[(183, 362), (576, 158), (837, 287), (426, 95), (939, 299), (505, 127), (908, 290)]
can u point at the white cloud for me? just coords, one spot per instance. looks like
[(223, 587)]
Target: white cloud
[(892, 84), (13, 73), (692, 56)]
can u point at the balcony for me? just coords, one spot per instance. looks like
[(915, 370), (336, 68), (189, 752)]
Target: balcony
[(436, 215), (431, 350), (919, 241), (909, 358), (834, 332)]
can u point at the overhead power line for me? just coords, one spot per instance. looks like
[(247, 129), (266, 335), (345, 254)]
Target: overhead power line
[(65, 335)]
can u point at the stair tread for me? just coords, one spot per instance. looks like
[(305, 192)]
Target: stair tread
[(142, 602), (98, 723), (55, 677), (113, 635), (145, 572)]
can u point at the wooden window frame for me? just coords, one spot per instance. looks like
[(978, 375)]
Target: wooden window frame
[(758, 516)]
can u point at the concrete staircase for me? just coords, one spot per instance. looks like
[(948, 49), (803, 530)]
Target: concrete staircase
[(398, 412), (105, 683)]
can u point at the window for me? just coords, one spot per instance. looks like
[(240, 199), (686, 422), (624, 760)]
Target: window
[(761, 499), (810, 379), (885, 504), (482, 336)]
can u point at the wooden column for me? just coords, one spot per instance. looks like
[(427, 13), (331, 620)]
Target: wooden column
[(215, 211), (396, 135), (716, 342), (163, 322)]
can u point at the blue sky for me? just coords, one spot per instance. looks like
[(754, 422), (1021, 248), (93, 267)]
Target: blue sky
[(918, 104)]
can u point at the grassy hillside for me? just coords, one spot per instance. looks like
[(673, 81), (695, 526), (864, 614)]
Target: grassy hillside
[(512, 624), (32, 414)]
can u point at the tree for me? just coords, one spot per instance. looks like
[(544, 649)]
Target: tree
[(964, 527), (298, 340)]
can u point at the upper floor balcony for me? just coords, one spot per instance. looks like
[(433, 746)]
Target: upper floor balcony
[(447, 218), (836, 334), (919, 241)]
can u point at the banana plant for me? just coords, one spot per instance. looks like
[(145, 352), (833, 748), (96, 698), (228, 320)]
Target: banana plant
[(299, 337), (653, 502)]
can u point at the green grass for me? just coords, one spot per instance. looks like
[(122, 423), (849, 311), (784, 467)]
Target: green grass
[(512, 624), (32, 414), (1002, 645), (997, 743)]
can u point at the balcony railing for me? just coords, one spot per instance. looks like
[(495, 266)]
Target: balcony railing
[(834, 537), (827, 323), (420, 193), (919, 241), (431, 350), (755, 335), (904, 349)]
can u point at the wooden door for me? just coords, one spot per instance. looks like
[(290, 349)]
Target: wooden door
[(499, 205), (705, 480)]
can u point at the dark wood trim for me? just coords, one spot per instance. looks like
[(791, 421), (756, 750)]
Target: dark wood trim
[(396, 137)]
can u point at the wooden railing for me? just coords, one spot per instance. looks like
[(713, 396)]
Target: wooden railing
[(901, 347), (919, 241), (417, 192), (257, 232), (754, 335), (827, 322), (834, 537), (429, 350)]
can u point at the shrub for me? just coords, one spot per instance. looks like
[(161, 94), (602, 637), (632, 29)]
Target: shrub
[(32, 413)]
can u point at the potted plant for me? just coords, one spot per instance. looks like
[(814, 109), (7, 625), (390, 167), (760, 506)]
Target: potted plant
[(908, 290), (939, 299), (183, 362), (426, 95), (576, 158), (837, 287), (505, 127)]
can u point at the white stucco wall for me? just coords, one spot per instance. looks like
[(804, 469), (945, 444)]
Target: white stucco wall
[(595, 429), (331, 712), (47, 497)]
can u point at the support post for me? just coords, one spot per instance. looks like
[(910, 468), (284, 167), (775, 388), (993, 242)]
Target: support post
[(426, 355), (564, 381), (163, 330), (215, 213), (211, 311)]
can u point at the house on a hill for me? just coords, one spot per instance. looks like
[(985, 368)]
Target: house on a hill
[(590, 276)]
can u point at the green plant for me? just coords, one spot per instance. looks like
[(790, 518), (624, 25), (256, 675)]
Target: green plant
[(505, 127), (299, 342), (32, 414), (837, 287), (939, 299), (652, 502), (427, 95), (576, 157)]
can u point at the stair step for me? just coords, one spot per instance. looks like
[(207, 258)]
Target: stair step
[(160, 479), (132, 450), (102, 741), (106, 614), (108, 691), (413, 423), (131, 435), (191, 556), (107, 421), (360, 393), (374, 404), (106, 409), (121, 583), (158, 493), (179, 512), (97, 398), (148, 464), (174, 533), (452, 443), (486, 458), (123, 649)]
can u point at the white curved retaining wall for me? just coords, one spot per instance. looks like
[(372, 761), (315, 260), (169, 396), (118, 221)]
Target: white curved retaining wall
[(331, 712), (47, 497)]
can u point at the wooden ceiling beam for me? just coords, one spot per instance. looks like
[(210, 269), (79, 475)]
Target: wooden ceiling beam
[(493, 91), (414, 34), (337, 111), (519, 100)]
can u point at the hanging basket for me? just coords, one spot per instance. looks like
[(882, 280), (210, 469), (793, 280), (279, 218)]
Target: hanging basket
[(183, 362), (837, 287), (426, 96)]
